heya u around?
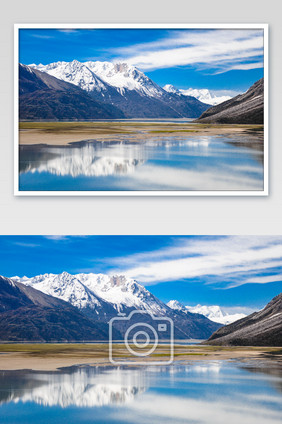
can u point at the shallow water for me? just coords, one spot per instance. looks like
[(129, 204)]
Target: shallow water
[(203, 392), (157, 163)]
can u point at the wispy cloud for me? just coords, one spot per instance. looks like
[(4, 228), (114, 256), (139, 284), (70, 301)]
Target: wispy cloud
[(56, 237), (42, 36), (224, 262), (26, 244), (68, 31), (258, 280), (213, 50)]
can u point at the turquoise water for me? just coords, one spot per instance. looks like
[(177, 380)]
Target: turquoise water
[(201, 392), (162, 163)]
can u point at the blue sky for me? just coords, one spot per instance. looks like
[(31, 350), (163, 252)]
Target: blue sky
[(230, 271), (228, 60)]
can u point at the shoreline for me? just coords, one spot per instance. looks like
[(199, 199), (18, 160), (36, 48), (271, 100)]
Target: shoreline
[(65, 133), (51, 357)]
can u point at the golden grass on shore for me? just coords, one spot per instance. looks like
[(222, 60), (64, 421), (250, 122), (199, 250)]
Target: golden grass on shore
[(53, 356), (63, 133)]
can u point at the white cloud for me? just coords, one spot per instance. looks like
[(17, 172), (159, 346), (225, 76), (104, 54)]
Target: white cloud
[(220, 50), (56, 237), (226, 178), (258, 280), (230, 260), (266, 279), (180, 409)]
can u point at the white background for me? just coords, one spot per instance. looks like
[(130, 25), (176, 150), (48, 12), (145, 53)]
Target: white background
[(140, 215)]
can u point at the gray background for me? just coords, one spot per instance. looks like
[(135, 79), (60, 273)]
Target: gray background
[(140, 215)]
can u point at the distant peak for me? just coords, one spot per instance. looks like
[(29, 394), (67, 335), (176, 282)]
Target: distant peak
[(171, 89), (65, 274), (175, 304)]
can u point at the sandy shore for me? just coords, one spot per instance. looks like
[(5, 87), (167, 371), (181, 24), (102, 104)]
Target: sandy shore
[(51, 357), (62, 134)]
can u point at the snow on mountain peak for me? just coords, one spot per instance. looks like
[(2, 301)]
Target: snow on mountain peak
[(104, 77), (97, 76), (214, 312), (171, 89), (74, 72), (204, 95), (174, 304), (96, 291), (124, 76)]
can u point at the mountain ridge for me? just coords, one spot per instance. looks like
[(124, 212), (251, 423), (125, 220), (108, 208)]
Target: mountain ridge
[(27, 314), (213, 312), (42, 96), (202, 94), (125, 87), (246, 108), (91, 292), (263, 328)]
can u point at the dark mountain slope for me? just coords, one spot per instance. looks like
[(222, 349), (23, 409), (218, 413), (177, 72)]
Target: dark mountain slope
[(27, 314), (246, 108), (135, 105), (263, 328), (125, 87), (42, 96)]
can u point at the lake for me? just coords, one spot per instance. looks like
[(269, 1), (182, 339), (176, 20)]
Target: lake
[(193, 163), (200, 392)]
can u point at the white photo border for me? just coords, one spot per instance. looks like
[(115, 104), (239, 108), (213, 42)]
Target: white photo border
[(149, 193)]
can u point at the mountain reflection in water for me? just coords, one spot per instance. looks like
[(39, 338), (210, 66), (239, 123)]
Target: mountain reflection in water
[(86, 386), (156, 163), (201, 392), (81, 159)]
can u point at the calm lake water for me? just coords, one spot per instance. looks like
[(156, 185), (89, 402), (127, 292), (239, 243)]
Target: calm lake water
[(202, 392), (157, 163)]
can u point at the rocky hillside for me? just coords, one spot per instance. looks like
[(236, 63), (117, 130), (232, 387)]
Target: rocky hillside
[(125, 87), (263, 328), (246, 108), (102, 297), (27, 314), (44, 97)]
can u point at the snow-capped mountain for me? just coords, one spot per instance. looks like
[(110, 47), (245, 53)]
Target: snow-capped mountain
[(98, 76), (97, 292), (171, 89), (213, 313), (205, 96), (125, 87), (75, 72), (43, 96), (125, 77), (174, 304), (102, 297)]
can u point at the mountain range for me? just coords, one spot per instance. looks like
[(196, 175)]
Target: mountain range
[(213, 312), (246, 108), (101, 297), (263, 328), (42, 96), (202, 94), (119, 90), (66, 307), (30, 315)]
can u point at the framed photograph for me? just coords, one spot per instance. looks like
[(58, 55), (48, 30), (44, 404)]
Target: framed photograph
[(141, 329), (118, 109)]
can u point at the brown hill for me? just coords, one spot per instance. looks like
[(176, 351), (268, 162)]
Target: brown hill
[(263, 328), (246, 108)]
